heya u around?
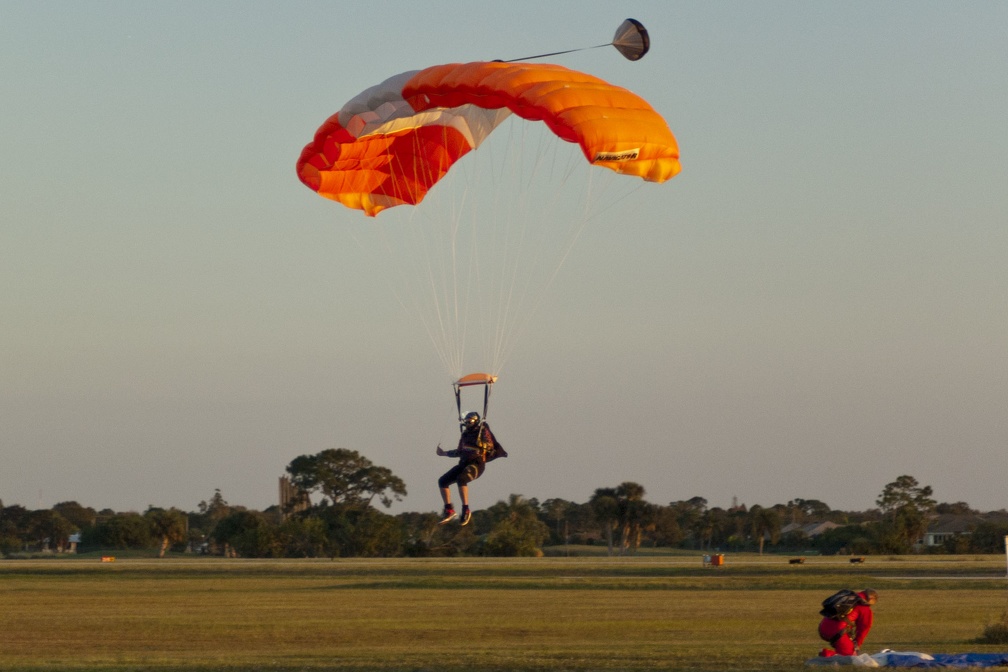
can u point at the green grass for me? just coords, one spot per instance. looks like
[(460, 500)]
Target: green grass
[(556, 613)]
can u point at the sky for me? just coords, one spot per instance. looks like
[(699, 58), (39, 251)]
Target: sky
[(816, 305)]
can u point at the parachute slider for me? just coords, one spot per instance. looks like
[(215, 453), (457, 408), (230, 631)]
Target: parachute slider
[(476, 379), (484, 379)]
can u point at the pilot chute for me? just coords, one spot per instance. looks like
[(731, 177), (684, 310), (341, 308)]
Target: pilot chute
[(631, 40)]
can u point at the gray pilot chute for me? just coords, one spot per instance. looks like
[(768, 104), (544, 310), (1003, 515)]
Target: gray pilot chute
[(632, 40)]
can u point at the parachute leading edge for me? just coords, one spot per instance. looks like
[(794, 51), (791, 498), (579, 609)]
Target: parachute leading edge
[(390, 144)]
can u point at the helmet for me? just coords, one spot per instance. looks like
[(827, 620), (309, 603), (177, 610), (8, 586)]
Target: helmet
[(871, 597), (471, 419)]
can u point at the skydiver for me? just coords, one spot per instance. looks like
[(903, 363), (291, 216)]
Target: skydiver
[(847, 632), (476, 447)]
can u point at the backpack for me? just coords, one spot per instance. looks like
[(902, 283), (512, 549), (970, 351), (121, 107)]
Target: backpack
[(488, 445), (840, 604)]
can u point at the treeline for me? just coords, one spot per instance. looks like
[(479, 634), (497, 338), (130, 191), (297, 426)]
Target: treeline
[(343, 522)]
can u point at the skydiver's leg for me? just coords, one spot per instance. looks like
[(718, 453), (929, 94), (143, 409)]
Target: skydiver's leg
[(844, 646), (451, 476), (464, 496), (469, 474)]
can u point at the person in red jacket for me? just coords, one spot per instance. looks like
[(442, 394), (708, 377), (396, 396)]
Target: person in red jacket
[(847, 634), (863, 616)]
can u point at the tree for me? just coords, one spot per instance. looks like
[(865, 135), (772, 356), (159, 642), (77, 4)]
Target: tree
[(667, 531), (604, 504), (49, 529), (635, 514), (361, 532), (13, 528), (248, 533), (203, 521), (802, 510), (905, 492), (764, 523), (420, 533), (120, 531), (906, 507), (517, 532), (217, 508), (556, 510), (579, 522), (346, 477), (715, 527), (989, 536), (847, 539), (690, 516), (170, 526), (77, 515), (302, 537), (955, 509)]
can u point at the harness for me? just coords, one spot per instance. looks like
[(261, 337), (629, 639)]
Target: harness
[(849, 629), (481, 441)]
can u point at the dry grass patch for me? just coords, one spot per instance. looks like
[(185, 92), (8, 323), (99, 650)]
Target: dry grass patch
[(474, 615)]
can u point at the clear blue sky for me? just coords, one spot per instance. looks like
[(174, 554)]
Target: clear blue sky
[(816, 305)]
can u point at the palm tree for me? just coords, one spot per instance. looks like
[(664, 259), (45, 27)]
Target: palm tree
[(605, 505), (763, 523), (557, 509), (714, 526), (168, 525), (634, 514), (690, 516)]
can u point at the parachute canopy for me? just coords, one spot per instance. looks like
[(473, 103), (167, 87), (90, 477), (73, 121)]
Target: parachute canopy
[(392, 142)]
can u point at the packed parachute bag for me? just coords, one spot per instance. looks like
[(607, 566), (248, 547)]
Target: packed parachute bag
[(840, 603)]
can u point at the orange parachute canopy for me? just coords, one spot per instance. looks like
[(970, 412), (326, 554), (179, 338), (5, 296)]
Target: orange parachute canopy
[(392, 142)]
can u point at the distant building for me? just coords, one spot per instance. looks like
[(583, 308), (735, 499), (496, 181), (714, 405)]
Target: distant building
[(949, 526), (809, 530), (292, 498)]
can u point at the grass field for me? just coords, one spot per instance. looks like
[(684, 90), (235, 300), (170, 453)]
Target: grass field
[(584, 613)]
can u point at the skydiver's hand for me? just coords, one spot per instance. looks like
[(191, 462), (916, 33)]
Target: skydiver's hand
[(440, 452)]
